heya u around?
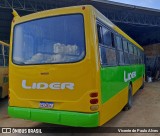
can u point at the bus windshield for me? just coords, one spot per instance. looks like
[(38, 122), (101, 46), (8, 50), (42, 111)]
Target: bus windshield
[(58, 39)]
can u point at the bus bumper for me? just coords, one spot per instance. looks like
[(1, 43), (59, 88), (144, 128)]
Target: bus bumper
[(56, 117)]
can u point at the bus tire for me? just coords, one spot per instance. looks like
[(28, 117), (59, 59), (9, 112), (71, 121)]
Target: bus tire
[(130, 99), (142, 84)]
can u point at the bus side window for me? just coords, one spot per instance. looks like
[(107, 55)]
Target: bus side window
[(126, 55), (135, 55), (108, 56), (103, 57), (130, 48), (99, 31), (107, 52), (6, 54), (120, 54), (1, 56), (125, 45), (111, 56), (139, 58), (107, 40), (142, 58), (131, 51)]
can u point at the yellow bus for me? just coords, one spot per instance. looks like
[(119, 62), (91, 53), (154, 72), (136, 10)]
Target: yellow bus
[(72, 66), (4, 60)]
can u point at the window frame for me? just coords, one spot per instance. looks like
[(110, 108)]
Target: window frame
[(135, 56), (84, 35), (119, 50), (6, 55), (2, 55), (100, 23)]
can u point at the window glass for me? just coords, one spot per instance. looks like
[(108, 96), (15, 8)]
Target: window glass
[(108, 56), (135, 50), (107, 39), (138, 52), (136, 57), (126, 58), (142, 58), (6, 55), (118, 42), (130, 48), (111, 56), (6, 50), (1, 48), (139, 59), (113, 41), (120, 57), (6, 60), (131, 58), (58, 39), (125, 45), (1, 60), (99, 29), (103, 56)]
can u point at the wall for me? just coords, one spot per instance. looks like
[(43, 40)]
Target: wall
[(152, 50)]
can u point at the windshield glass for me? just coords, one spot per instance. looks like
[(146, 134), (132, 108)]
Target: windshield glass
[(58, 39)]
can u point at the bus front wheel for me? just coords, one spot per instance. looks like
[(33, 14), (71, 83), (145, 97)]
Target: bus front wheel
[(130, 99)]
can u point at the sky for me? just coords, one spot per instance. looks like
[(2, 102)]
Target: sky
[(144, 3)]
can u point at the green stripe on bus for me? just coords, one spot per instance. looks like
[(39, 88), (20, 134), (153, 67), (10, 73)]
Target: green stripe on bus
[(112, 79)]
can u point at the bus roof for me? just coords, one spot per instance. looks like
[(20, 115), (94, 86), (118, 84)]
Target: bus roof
[(6, 44)]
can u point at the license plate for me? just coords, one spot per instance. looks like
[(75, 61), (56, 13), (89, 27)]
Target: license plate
[(47, 105)]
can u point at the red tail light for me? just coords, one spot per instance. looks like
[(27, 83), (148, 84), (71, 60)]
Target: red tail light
[(94, 101), (95, 94)]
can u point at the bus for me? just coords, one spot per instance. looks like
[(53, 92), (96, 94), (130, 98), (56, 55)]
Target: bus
[(4, 60), (72, 66)]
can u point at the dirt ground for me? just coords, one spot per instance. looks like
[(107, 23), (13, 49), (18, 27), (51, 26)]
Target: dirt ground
[(144, 113)]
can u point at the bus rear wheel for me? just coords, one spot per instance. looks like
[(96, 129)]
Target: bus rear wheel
[(130, 99)]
